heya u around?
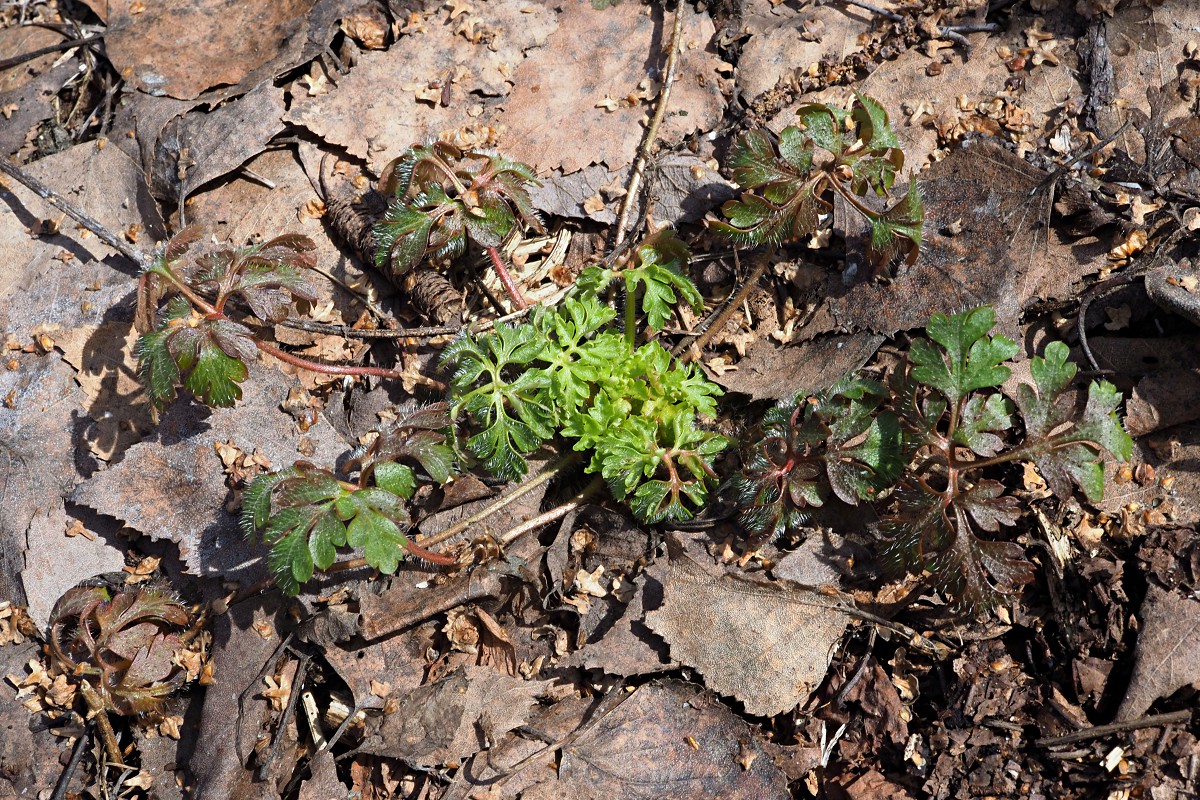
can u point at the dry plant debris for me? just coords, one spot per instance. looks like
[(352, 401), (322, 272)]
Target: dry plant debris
[(569, 652)]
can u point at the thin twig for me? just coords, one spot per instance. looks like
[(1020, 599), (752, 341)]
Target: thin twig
[(525, 488), (954, 36), (1099, 731), (8, 63), (881, 12), (64, 778), (62, 204), (512, 534), (716, 321), (639, 165), (1090, 296), (346, 332)]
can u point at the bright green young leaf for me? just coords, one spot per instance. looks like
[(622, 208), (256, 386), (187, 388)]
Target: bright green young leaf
[(375, 527)]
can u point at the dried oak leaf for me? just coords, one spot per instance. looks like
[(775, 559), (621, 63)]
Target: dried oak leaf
[(599, 53), (765, 644), (44, 411), (182, 48), (106, 369), (683, 186), (411, 109), (1168, 650), (172, 485), (664, 741), (784, 41)]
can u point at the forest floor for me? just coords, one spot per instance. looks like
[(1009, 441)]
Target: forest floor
[(1056, 145)]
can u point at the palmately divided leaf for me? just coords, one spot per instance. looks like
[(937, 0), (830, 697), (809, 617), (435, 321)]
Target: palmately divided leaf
[(157, 368), (971, 359), (984, 420), (214, 376), (835, 443), (754, 162), (395, 478), (382, 542), (871, 125), (419, 435), (754, 220), (823, 125), (510, 406), (989, 506), (927, 536), (290, 561), (1072, 454), (897, 231), (256, 500)]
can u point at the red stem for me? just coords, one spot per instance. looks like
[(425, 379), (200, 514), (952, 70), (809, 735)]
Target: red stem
[(429, 555), (295, 361), (325, 369), (506, 278)]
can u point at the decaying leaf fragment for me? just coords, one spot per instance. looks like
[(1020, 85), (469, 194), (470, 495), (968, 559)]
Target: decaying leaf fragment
[(1168, 650), (770, 645)]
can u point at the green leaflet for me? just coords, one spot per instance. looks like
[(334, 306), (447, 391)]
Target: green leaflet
[(567, 372), (207, 352), (924, 440), (441, 196), (306, 514), (789, 190)]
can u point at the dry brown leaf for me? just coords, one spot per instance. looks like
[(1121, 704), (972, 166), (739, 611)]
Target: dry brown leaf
[(181, 48), (660, 741), (442, 722), (770, 644), (1168, 650), (775, 51), (106, 368), (552, 114), (185, 501), (393, 120)]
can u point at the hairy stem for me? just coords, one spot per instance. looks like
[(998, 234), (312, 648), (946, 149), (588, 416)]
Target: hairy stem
[(506, 279), (326, 369)]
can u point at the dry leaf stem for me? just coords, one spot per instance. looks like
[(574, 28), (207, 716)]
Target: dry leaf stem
[(639, 165), (525, 488), (62, 204), (716, 321), (1099, 731)]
